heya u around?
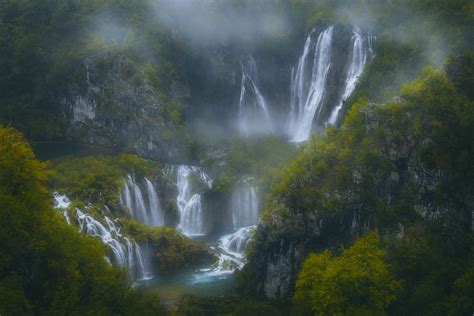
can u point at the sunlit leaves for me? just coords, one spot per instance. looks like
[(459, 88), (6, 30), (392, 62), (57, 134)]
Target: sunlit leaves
[(358, 280)]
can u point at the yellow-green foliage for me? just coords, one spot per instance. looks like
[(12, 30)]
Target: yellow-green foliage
[(428, 131), (433, 122), (172, 250), (46, 266), (356, 282), (97, 179)]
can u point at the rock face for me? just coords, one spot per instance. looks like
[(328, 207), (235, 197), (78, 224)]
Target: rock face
[(113, 104), (170, 251), (388, 198), (282, 244)]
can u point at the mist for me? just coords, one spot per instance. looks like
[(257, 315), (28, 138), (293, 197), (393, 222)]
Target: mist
[(205, 23)]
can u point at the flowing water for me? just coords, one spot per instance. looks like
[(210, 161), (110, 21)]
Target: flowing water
[(147, 211), (140, 197), (124, 251), (361, 51), (309, 81), (154, 205), (191, 222), (307, 95), (254, 116), (244, 205)]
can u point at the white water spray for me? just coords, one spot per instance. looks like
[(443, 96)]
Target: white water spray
[(307, 96), (244, 205), (147, 212), (124, 251), (189, 203), (361, 50), (254, 116)]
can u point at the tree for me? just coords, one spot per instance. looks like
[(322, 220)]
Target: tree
[(356, 282), (46, 266)]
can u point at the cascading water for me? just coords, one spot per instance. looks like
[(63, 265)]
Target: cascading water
[(244, 205), (254, 116), (307, 96), (309, 82), (245, 216), (189, 204), (62, 203), (148, 213), (155, 206), (125, 252), (361, 50), (237, 242)]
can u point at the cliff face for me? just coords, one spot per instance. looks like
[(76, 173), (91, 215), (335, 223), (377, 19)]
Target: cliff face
[(388, 190), (113, 104), (340, 59)]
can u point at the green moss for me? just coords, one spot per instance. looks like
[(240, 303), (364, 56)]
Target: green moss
[(172, 250), (49, 268), (97, 179), (371, 167)]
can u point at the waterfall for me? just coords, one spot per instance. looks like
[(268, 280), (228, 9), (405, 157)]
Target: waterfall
[(244, 205), (124, 251), (306, 97), (149, 212), (237, 242), (232, 251), (155, 206), (62, 203), (245, 211), (361, 49), (254, 117), (189, 203)]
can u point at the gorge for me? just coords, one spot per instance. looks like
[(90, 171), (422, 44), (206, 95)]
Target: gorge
[(256, 157)]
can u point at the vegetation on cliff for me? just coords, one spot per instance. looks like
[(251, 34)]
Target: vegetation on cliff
[(47, 267), (357, 282), (172, 251), (403, 168), (375, 216)]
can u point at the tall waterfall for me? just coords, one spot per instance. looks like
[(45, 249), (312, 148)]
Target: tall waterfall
[(244, 205), (124, 251), (155, 206), (148, 211), (361, 49), (189, 204), (306, 96), (254, 116)]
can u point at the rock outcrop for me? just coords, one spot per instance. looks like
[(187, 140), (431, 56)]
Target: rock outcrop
[(115, 105), (401, 188)]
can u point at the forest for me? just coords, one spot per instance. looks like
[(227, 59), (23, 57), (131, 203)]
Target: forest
[(236, 157)]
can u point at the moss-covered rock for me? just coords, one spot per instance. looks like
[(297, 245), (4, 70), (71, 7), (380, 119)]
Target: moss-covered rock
[(171, 250)]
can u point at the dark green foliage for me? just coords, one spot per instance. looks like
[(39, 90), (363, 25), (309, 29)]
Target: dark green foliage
[(46, 266), (436, 272), (411, 34), (394, 64), (260, 158), (172, 251), (460, 69), (230, 305), (44, 44), (406, 168)]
